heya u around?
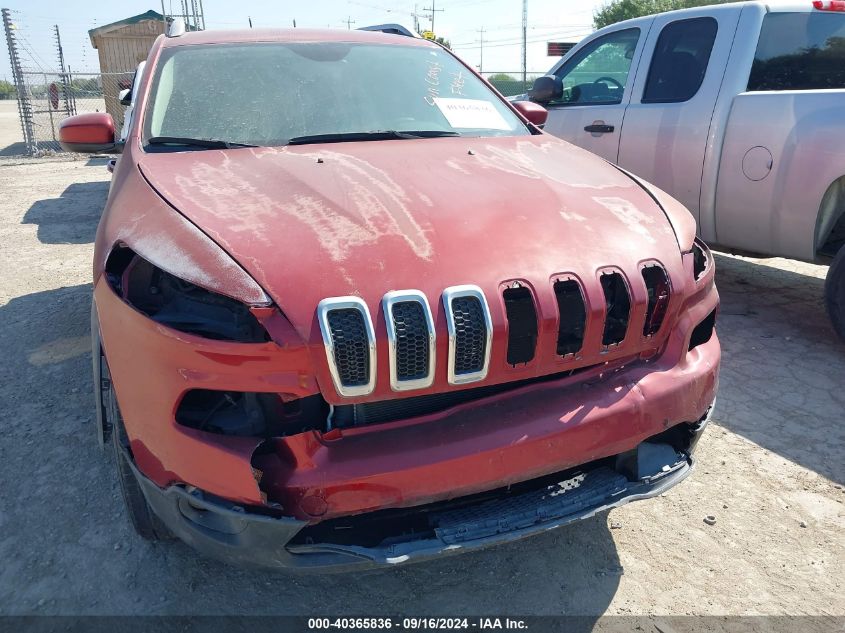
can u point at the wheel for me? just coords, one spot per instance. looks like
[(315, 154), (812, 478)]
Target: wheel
[(141, 516), (834, 293)]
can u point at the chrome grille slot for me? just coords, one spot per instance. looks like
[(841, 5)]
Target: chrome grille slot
[(470, 333), (410, 332), (350, 344)]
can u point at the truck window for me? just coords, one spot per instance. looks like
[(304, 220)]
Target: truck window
[(597, 74), (680, 60), (800, 51)]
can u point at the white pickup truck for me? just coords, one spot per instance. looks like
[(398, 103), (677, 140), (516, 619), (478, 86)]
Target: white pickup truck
[(736, 110)]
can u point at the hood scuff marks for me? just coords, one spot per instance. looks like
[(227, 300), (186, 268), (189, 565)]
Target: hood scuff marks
[(372, 205), (629, 215)]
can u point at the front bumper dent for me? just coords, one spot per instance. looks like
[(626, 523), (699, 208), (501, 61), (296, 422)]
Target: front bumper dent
[(226, 531)]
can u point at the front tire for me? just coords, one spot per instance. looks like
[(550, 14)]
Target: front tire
[(834, 293), (141, 516)]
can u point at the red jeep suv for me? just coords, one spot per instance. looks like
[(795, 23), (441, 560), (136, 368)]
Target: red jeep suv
[(352, 307)]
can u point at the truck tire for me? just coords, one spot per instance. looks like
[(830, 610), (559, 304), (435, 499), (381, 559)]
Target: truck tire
[(834, 293), (141, 516)]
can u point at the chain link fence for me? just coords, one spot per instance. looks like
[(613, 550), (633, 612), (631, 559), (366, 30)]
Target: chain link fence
[(49, 98)]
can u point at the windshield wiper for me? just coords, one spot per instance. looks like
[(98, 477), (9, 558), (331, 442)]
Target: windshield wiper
[(206, 143), (377, 135)]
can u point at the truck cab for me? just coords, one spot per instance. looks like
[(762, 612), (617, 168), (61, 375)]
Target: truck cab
[(736, 110)]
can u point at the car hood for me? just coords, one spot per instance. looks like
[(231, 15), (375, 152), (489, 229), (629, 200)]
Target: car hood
[(317, 221)]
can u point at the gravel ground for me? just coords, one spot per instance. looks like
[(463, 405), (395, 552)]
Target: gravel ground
[(771, 468)]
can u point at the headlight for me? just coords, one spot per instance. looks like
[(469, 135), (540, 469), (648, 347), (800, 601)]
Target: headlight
[(180, 304)]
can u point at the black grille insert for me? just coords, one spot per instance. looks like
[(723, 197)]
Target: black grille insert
[(412, 340), (351, 346), (470, 335), (657, 285), (522, 325), (618, 305), (572, 317)]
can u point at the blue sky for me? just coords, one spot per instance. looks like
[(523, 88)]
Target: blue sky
[(460, 20)]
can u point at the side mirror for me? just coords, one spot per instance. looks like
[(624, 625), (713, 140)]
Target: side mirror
[(534, 112), (125, 97), (91, 133), (546, 88)]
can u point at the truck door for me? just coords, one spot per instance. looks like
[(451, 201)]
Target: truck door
[(668, 119), (596, 85)]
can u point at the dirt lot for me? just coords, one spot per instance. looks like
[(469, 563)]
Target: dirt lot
[(771, 469)]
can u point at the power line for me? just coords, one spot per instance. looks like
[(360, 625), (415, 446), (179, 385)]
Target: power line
[(513, 41), (433, 11)]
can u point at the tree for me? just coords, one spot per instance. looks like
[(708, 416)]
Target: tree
[(618, 10), (500, 77), (7, 90), (443, 42)]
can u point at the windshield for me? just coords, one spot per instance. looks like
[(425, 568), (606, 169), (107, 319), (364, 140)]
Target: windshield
[(268, 94)]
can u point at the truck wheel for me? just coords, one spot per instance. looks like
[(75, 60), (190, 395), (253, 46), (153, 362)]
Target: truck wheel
[(834, 293), (145, 522)]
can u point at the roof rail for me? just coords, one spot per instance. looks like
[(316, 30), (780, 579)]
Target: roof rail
[(175, 27)]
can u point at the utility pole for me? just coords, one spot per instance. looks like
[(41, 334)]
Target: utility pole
[(481, 60), (24, 106), (433, 11), (349, 22), (524, 42)]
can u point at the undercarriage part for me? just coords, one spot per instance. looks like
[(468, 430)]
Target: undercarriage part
[(522, 325), (703, 331), (179, 304), (657, 285), (250, 414), (572, 317), (836, 240), (618, 308)]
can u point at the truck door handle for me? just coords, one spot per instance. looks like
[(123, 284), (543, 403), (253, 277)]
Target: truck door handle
[(599, 129)]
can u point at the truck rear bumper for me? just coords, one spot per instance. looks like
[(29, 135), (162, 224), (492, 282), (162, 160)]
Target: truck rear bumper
[(235, 534)]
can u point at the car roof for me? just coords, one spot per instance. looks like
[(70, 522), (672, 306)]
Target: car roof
[(292, 35)]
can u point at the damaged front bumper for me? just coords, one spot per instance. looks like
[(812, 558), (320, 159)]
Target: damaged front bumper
[(242, 536)]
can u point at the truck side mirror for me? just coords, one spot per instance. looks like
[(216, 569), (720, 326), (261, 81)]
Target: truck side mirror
[(545, 89)]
